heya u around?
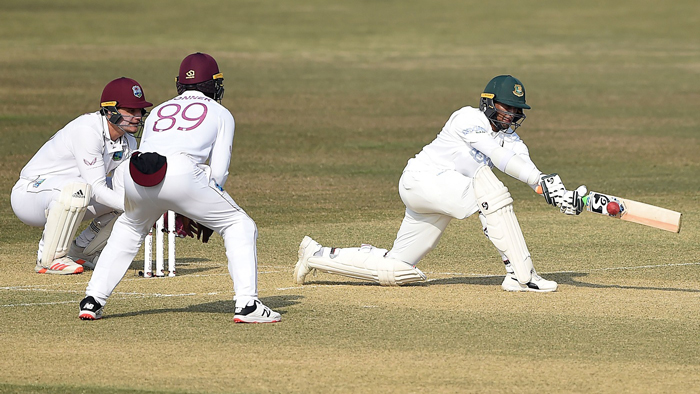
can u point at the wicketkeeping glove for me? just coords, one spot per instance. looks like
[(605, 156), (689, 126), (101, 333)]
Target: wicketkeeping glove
[(204, 232), (553, 189), (184, 226)]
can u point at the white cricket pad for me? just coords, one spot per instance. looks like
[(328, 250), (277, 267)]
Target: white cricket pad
[(62, 221), (362, 263), (102, 232), (504, 230)]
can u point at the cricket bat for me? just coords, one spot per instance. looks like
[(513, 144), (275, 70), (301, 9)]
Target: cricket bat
[(631, 211)]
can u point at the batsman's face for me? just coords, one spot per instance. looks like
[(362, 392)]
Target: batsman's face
[(506, 114)]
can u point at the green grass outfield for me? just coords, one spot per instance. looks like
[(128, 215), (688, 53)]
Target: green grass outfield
[(331, 98)]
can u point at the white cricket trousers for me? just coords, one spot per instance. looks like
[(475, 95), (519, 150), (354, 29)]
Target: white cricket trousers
[(186, 190), (433, 198), (32, 199)]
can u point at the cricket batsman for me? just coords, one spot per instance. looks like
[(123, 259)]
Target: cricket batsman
[(452, 178), (67, 180)]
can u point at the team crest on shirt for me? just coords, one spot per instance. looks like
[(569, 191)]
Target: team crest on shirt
[(518, 90), (138, 93), (117, 156)]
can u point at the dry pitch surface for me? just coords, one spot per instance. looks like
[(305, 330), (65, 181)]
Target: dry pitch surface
[(627, 328)]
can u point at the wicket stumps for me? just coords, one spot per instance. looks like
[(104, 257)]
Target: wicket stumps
[(160, 248)]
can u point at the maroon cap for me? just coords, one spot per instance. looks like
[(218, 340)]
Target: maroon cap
[(198, 67), (147, 169), (124, 93)]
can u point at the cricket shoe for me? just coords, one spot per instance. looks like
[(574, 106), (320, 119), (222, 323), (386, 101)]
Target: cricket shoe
[(307, 248), (78, 255), (62, 266), (537, 284), (90, 309), (256, 312)]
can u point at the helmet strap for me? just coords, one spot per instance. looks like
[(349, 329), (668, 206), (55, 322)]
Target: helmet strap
[(115, 118), (112, 114)]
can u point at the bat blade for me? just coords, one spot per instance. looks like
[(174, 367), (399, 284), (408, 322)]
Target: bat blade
[(635, 211)]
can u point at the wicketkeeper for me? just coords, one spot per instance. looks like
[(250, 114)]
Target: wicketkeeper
[(67, 180), (451, 178)]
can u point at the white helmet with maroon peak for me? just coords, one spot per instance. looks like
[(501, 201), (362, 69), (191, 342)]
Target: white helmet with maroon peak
[(507, 90), (122, 93), (200, 72)]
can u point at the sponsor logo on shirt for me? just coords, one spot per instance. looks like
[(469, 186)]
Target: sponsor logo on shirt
[(475, 130), (90, 162), (38, 182)]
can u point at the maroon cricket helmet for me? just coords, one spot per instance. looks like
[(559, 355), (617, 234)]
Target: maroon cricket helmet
[(124, 93), (198, 67)]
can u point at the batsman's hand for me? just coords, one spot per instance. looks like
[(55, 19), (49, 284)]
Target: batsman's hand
[(573, 201), (204, 232), (553, 189)]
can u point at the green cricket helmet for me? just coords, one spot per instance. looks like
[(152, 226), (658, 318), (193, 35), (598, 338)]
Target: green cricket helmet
[(508, 90)]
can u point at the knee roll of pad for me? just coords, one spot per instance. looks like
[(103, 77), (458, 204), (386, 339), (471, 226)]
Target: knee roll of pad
[(489, 191), (495, 200)]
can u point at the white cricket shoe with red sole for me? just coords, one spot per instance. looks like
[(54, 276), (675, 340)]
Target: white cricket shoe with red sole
[(256, 312), (62, 266), (90, 309), (87, 261)]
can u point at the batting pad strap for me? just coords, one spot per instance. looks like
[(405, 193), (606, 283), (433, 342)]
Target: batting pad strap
[(361, 264)]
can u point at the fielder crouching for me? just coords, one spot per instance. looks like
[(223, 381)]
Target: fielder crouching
[(451, 178), (67, 180)]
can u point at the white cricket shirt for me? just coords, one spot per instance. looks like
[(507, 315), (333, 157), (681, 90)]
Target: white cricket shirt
[(83, 148), (467, 142), (194, 125)]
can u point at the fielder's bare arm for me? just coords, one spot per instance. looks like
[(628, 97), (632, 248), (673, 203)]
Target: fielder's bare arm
[(452, 178), (66, 181)]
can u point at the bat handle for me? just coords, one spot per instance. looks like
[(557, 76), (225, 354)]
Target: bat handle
[(538, 189)]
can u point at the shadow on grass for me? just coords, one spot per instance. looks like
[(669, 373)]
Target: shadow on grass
[(570, 278), (221, 306), (563, 278), (182, 266)]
